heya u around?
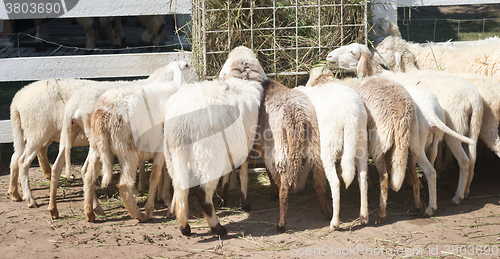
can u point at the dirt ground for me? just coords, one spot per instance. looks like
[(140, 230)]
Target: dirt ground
[(471, 230), (30, 233)]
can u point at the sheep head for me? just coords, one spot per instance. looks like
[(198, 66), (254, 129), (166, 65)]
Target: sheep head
[(384, 27), (170, 72), (242, 63), (319, 75), (394, 53), (353, 57)]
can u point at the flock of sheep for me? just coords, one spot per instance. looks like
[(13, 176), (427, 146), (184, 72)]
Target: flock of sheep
[(202, 131)]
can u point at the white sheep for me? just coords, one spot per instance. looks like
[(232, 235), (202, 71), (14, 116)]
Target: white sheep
[(77, 112), (287, 131), (381, 28), (209, 130), (479, 57), (462, 103), (36, 116), (127, 122), (342, 119), (392, 125), (395, 54)]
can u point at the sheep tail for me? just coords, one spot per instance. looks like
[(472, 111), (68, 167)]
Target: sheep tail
[(17, 130), (440, 125), (295, 137), (476, 120), (99, 140), (402, 135), (347, 162)]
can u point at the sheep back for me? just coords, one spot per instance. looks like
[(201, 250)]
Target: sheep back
[(201, 119), (288, 129), (391, 122)]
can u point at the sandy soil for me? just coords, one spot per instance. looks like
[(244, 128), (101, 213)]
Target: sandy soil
[(30, 233)]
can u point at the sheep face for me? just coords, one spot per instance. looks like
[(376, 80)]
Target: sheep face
[(346, 57), (243, 64)]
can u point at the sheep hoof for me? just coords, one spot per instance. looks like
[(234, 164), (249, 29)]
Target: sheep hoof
[(91, 217), (379, 220), (281, 229), (143, 218), (219, 230), (363, 220), (429, 211), (418, 210), (32, 203), (245, 205), (456, 201), (185, 230), (15, 196), (47, 176), (54, 213), (98, 210)]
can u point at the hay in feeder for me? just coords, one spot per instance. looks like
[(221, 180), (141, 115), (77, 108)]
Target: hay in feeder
[(289, 36)]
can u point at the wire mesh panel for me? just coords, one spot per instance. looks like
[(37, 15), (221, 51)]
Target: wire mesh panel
[(289, 35)]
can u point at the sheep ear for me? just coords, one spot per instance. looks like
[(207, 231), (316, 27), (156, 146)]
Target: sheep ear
[(362, 66), (398, 58), (178, 76)]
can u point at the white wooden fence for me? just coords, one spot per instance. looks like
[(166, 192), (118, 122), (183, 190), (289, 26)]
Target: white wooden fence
[(93, 66)]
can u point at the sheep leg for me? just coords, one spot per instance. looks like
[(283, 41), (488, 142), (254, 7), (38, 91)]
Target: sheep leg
[(205, 193), (56, 174), (384, 185), (432, 151), (305, 173), (245, 205), (26, 159), (430, 175), (284, 187), (229, 182), (362, 164), (438, 164), (141, 186), (160, 188), (126, 186), (233, 181), (166, 194), (412, 170), (89, 179), (274, 186), (67, 145), (117, 31), (14, 176), (225, 187), (43, 160), (88, 26), (472, 152), (154, 179), (463, 162), (319, 187), (489, 134)]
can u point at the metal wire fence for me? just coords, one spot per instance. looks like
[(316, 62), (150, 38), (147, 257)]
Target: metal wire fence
[(288, 35)]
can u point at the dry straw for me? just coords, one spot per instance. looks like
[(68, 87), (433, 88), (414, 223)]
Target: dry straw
[(289, 35)]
